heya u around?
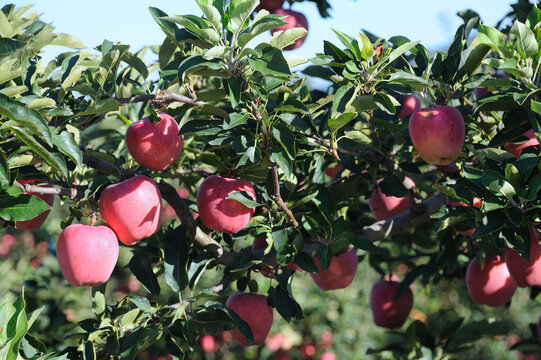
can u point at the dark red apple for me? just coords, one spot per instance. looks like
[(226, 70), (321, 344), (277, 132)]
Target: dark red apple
[(87, 255), (384, 207), (270, 5), (386, 311), (294, 19), (219, 213), (154, 145), (437, 134), (340, 272), (492, 284), (525, 273), (35, 223), (411, 103), (253, 309), (516, 149), (476, 202), (132, 208)]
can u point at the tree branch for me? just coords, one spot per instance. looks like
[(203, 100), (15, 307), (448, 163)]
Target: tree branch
[(278, 198), (75, 192), (162, 99), (104, 166)]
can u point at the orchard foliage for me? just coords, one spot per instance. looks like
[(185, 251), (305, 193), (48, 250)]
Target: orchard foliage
[(314, 158)]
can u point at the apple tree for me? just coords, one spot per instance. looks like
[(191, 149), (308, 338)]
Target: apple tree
[(214, 194)]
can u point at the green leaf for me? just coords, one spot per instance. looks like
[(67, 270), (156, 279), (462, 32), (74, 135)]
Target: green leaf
[(365, 244), (357, 136), (271, 62), (240, 15), (336, 123), (17, 327), (341, 99), (141, 267), (527, 44), (399, 51), (101, 107), (280, 157), (352, 44), (66, 40), (9, 46), (243, 198), (67, 145), (286, 138), (176, 254), (26, 118), (262, 23), (168, 27), (385, 103), (213, 16), (17, 206), (235, 85), (4, 169)]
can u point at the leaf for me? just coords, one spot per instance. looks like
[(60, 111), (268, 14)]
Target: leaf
[(101, 107), (4, 169), (262, 23), (527, 44), (240, 14), (280, 157), (286, 138), (235, 119), (17, 327), (9, 46), (243, 198), (168, 27), (241, 325), (357, 136), (17, 206), (176, 253), (141, 267), (141, 302), (66, 40), (235, 85), (271, 62), (336, 123), (67, 145)]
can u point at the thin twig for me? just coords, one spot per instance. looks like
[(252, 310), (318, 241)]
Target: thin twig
[(104, 166), (75, 192), (161, 99), (278, 198)]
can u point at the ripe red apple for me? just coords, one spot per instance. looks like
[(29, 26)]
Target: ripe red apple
[(516, 149), (437, 134), (87, 255), (270, 5), (154, 146), (476, 202), (274, 342), (525, 273), (384, 207), (253, 309), (386, 311), (411, 103), (294, 19), (492, 285), (308, 350), (326, 340), (132, 208), (219, 213), (333, 171), (35, 223), (340, 272), (209, 344), (327, 356)]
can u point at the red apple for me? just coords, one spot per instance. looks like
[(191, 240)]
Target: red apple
[(209, 344), (35, 223), (294, 19), (308, 350), (253, 309), (516, 149), (525, 273), (274, 342), (333, 171), (154, 146), (411, 103), (476, 202), (219, 213), (384, 207), (491, 285), (282, 355), (437, 134), (326, 340), (87, 255), (340, 272), (388, 312), (327, 356), (132, 208), (270, 5)]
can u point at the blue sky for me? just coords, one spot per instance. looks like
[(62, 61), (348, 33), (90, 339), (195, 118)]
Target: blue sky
[(433, 22)]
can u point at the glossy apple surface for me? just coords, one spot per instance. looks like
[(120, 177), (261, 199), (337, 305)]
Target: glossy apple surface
[(219, 213), (35, 223), (386, 311), (154, 146), (294, 19), (132, 208), (476, 202), (384, 207), (491, 285), (340, 272), (437, 134), (270, 5), (525, 273), (253, 309), (410, 104), (516, 149), (87, 255)]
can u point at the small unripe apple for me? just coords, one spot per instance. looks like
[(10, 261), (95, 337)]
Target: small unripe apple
[(253, 309), (516, 149), (270, 5), (294, 19), (219, 213), (340, 272), (132, 208), (411, 103), (525, 273), (492, 284), (437, 134), (386, 311), (384, 207), (327, 356), (35, 223), (209, 344), (476, 203), (154, 145), (87, 255)]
